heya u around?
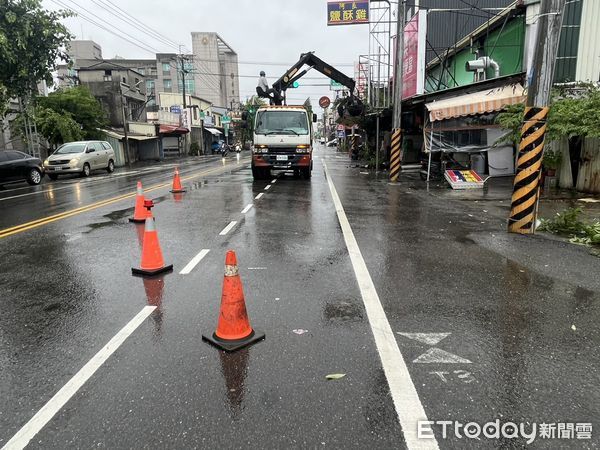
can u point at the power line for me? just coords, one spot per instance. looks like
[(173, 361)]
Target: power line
[(101, 18), (144, 25), (83, 16), (125, 19)]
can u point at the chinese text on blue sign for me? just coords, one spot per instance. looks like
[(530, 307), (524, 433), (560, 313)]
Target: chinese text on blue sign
[(345, 13)]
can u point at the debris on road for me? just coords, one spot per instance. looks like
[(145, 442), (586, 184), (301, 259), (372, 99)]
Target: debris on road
[(335, 376)]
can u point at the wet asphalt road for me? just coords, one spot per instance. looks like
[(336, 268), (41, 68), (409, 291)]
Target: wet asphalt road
[(510, 323)]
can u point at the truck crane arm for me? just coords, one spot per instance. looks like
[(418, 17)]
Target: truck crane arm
[(354, 106), (309, 59)]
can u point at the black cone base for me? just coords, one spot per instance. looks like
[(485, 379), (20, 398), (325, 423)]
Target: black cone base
[(151, 273), (131, 219), (233, 345), (178, 191)]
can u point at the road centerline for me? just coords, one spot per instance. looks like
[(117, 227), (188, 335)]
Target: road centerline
[(22, 438), (247, 208), (267, 187), (69, 213), (228, 228), (194, 261), (402, 389), (258, 197)]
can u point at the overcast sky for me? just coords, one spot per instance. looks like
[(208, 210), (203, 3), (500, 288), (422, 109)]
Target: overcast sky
[(272, 31)]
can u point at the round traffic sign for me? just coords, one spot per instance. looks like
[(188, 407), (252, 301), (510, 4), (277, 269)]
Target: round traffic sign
[(324, 102)]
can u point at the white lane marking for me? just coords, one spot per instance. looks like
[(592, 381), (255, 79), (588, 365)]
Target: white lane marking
[(273, 182), (259, 196), (194, 262), (405, 396), (55, 404), (257, 268), (247, 208), (268, 187), (437, 355), (425, 338), (228, 228)]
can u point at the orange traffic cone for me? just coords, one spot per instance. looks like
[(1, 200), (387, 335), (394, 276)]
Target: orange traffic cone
[(233, 329), (152, 258), (140, 214), (177, 183)]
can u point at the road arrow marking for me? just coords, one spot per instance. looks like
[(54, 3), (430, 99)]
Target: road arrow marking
[(437, 355), (426, 338)]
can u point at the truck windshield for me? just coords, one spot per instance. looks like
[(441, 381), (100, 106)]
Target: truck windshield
[(281, 122)]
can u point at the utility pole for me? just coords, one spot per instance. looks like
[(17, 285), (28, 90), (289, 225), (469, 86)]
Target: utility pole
[(183, 72), (395, 156), (127, 160), (526, 189)]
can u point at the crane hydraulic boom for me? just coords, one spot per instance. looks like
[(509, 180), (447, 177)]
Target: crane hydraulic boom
[(307, 62)]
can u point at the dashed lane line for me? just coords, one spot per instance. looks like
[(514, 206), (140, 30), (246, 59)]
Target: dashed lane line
[(194, 262), (247, 208), (267, 187), (402, 389), (274, 181), (228, 228), (55, 404), (259, 196)]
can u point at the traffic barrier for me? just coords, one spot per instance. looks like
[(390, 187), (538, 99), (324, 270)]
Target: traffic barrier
[(395, 155), (177, 188), (529, 168), (233, 328), (140, 214), (152, 258)]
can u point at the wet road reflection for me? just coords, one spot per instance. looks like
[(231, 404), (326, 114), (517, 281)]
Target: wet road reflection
[(154, 288), (234, 368)]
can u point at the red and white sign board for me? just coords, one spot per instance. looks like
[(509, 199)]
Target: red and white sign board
[(324, 102), (415, 41)]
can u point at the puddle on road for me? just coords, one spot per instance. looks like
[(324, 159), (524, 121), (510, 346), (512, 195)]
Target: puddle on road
[(343, 311)]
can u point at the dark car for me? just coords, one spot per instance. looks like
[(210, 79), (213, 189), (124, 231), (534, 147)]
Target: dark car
[(19, 166)]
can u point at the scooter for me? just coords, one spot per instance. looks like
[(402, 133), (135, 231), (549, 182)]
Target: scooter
[(224, 150)]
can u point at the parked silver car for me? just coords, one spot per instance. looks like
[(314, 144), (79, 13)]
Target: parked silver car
[(80, 157)]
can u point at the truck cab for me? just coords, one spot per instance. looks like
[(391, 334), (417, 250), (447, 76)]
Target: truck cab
[(282, 141)]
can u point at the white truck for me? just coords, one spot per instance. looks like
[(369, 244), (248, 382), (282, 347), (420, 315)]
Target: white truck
[(282, 134), (282, 140)]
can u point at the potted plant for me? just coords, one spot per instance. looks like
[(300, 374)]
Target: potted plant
[(551, 161)]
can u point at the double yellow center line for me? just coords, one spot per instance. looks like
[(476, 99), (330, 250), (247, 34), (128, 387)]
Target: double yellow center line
[(46, 220)]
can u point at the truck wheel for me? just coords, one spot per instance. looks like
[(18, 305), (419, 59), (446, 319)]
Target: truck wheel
[(306, 173), (257, 174)]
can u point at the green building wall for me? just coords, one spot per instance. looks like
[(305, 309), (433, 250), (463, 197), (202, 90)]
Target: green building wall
[(504, 45)]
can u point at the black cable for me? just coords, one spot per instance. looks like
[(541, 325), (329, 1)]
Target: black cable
[(62, 5)]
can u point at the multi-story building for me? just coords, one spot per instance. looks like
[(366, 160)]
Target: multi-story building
[(120, 89), (215, 69), (211, 72), (84, 49)]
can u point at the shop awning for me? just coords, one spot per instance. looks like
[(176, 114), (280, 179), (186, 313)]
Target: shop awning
[(214, 131), (476, 102), (172, 129), (121, 136)]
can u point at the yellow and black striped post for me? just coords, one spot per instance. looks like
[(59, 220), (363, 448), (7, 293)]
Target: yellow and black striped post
[(529, 168), (353, 149), (395, 155)]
